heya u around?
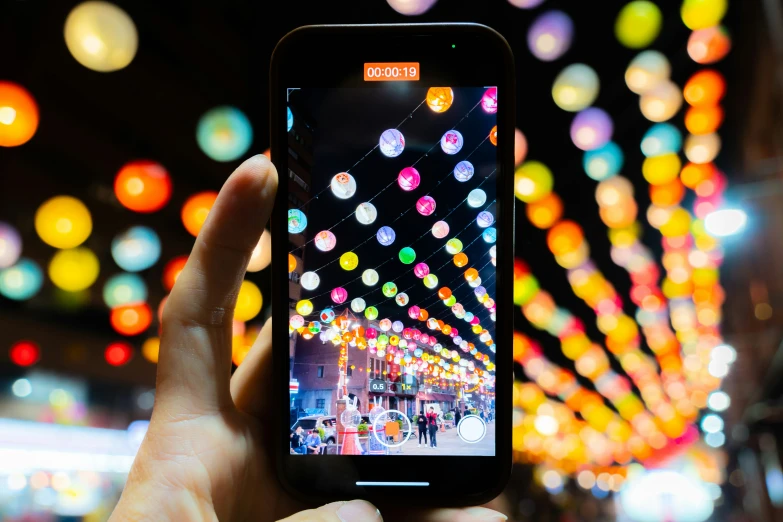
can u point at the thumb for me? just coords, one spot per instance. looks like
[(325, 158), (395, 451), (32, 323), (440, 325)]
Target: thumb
[(353, 511)]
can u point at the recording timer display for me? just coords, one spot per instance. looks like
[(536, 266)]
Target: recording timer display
[(391, 72)]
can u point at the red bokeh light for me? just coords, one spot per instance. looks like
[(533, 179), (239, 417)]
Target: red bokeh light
[(172, 270), (25, 353), (131, 319), (118, 354), (143, 186)]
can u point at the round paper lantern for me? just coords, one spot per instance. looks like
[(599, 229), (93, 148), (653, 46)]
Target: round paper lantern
[(131, 319), (385, 325), (370, 277), (63, 222), (358, 305), (591, 128), (460, 259), (451, 142), (408, 179), (430, 280), (366, 213), (224, 133), (705, 88), (493, 135), (575, 88), (389, 289), (249, 302), (24, 353), (440, 229), (196, 209), (327, 315), (463, 171), (702, 149), (74, 269), (564, 238), (401, 299), (349, 261), (261, 255), (453, 246), (325, 241), (638, 24), (385, 236), (411, 7), (143, 186), (485, 219), (413, 313), (11, 245), (646, 71), (613, 190), (391, 143), (118, 353), (489, 102), (136, 249), (700, 14), (18, 115), (151, 349), (101, 36), (662, 138), (289, 119), (124, 289), (549, 36), (397, 326), (703, 120), (296, 321), (532, 181), (709, 45), (291, 263), (425, 205), (621, 215), (490, 235), (421, 270), (444, 293), (343, 185), (439, 99), (21, 281), (339, 295), (407, 255), (310, 280), (476, 198), (526, 4), (297, 221), (603, 162), (661, 102), (371, 313), (304, 307)]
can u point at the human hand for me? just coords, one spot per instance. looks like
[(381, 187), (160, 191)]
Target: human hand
[(206, 452)]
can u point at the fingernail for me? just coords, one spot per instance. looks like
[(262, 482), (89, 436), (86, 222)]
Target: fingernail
[(358, 511), (480, 513)]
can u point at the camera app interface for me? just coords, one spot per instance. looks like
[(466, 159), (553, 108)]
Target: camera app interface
[(391, 266)]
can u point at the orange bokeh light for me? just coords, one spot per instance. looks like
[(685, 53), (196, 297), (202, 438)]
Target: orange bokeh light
[(565, 237), (143, 186), (172, 270), (667, 194), (692, 174), (703, 120), (705, 88), (545, 212), (18, 115), (118, 354), (131, 319), (196, 210)]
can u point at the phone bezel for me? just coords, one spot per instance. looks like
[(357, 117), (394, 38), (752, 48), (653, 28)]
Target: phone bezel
[(479, 478)]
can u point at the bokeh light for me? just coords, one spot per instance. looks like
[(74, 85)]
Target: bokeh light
[(136, 249), (249, 302), (532, 181), (591, 129), (702, 148), (124, 289), (661, 138), (411, 7), (143, 186), (604, 162), (550, 35), (700, 14), (172, 270), (575, 88), (21, 281), (18, 115), (661, 102), (101, 36), (63, 222), (10, 245), (150, 350), (262, 253), (703, 120), (709, 45), (520, 147), (196, 209), (705, 88), (545, 212), (638, 24), (647, 70), (118, 353), (526, 4), (24, 353), (74, 269), (658, 170), (224, 133), (131, 319), (564, 238)]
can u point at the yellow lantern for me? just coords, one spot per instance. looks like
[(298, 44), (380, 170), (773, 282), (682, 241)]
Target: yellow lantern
[(439, 99), (63, 222), (349, 261), (150, 349), (304, 307), (249, 302), (74, 270), (532, 181), (659, 170), (101, 36)]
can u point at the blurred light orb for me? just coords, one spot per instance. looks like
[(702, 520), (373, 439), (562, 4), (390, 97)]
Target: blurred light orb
[(440, 229), (476, 198), (289, 119), (705, 88), (532, 181), (411, 7), (196, 209), (74, 269), (550, 35), (136, 249), (485, 219), (425, 205), (151, 349), (366, 213), (709, 45), (700, 14), (101, 36), (370, 277), (647, 70), (391, 143), (143, 186), (18, 115), (24, 353), (297, 221), (575, 88), (526, 4), (343, 185), (21, 281), (349, 261), (677, 225), (703, 120), (545, 212), (715, 440), (719, 401), (310, 280), (638, 24), (489, 102), (661, 138), (711, 423), (249, 302), (124, 289), (490, 235), (172, 270), (613, 191), (262, 253), (439, 99), (325, 241), (407, 255), (10, 245), (224, 133), (700, 149), (659, 170), (725, 222), (520, 147), (118, 353), (451, 142), (63, 222), (591, 129), (385, 236), (661, 102), (603, 162), (463, 171), (131, 319), (667, 194), (408, 179)]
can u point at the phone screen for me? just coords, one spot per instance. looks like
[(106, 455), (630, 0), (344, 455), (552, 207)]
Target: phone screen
[(392, 231)]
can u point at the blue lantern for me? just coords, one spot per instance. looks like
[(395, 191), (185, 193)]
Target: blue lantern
[(136, 249), (297, 221), (385, 236), (290, 120), (490, 235), (327, 315)]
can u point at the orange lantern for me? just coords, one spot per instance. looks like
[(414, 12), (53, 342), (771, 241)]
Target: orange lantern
[(545, 212), (493, 135), (460, 260), (131, 319), (446, 329), (143, 186), (705, 88), (667, 194), (565, 237), (196, 210), (18, 115), (444, 293), (423, 315), (471, 274), (291, 263), (703, 120), (172, 270)]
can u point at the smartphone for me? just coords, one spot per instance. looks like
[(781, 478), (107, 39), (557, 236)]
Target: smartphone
[(393, 262)]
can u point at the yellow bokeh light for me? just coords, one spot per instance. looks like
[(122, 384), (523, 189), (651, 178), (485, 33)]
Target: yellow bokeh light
[(101, 36), (63, 222), (74, 270), (638, 24), (700, 14), (659, 170), (249, 302), (151, 349)]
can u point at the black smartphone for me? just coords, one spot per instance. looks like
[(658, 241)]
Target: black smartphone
[(393, 262)]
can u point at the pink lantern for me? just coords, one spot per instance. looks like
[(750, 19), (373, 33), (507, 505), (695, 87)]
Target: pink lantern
[(454, 332), (371, 333), (474, 321), (421, 270), (339, 295), (408, 334), (409, 179), (416, 335), (425, 205), (413, 312), (433, 341), (425, 338), (489, 102), (440, 229)]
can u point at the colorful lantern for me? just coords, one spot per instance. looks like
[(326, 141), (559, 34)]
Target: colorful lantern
[(349, 261), (21, 281), (420, 270), (549, 36), (520, 147), (439, 99), (564, 238), (371, 313), (18, 115), (385, 325), (366, 213), (408, 179), (425, 205), (261, 255), (613, 190), (591, 129), (476, 198), (575, 88), (493, 135), (304, 307), (136, 249), (74, 270), (101, 36), (453, 246), (703, 120), (385, 236), (358, 305), (389, 289), (370, 277), (297, 221), (117, 353), (310, 280), (325, 241), (296, 321), (327, 315), (440, 229), (10, 245), (143, 186), (485, 219), (401, 299), (291, 263), (196, 209), (407, 255), (490, 235), (124, 289), (430, 280), (661, 102), (249, 301), (460, 260), (343, 185), (339, 295), (646, 71), (289, 119), (397, 326), (224, 133), (444, 293), (532, 181), (659, 170), (463, 171), (451, 142), (489, 102), (63, 222), (413, 312), (391, 143), (702, 148), (638, 24)]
